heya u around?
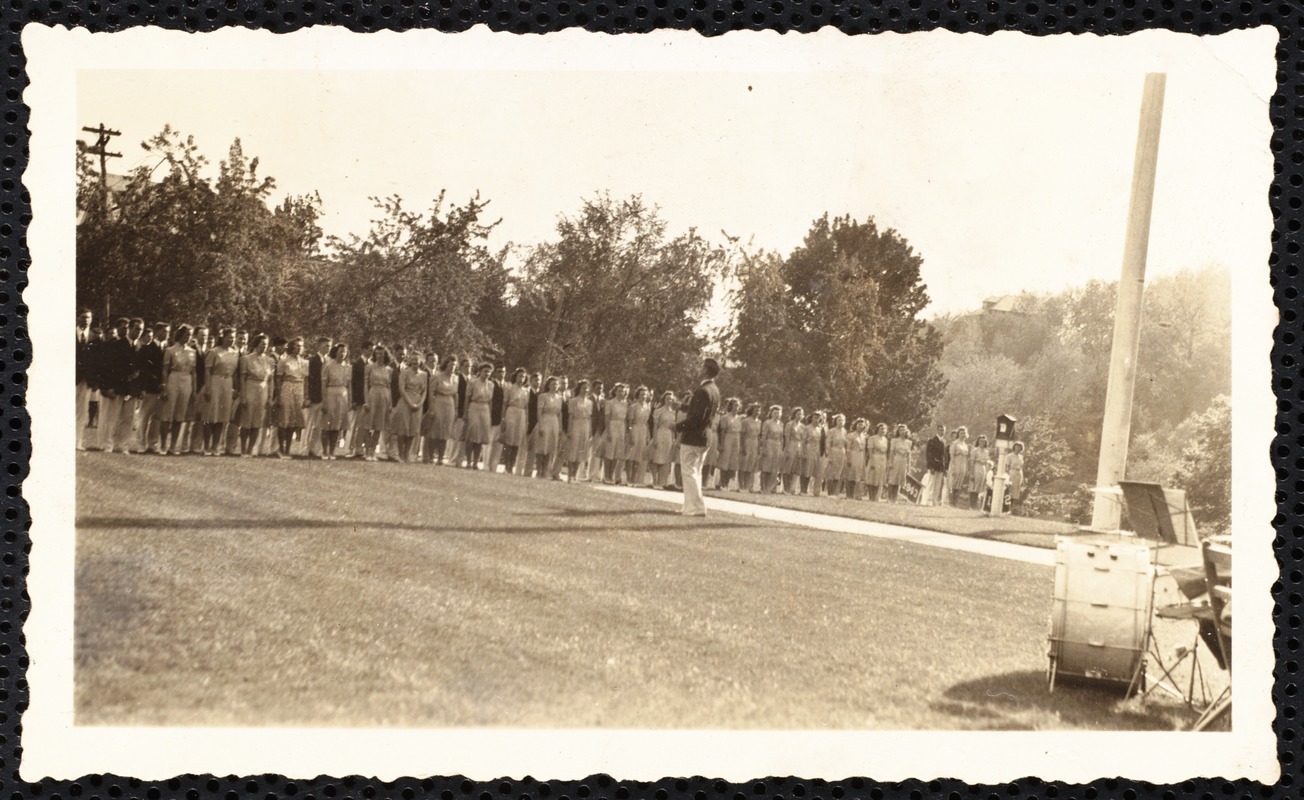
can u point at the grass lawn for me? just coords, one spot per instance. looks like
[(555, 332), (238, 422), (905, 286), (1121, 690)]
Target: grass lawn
[(220, 591)]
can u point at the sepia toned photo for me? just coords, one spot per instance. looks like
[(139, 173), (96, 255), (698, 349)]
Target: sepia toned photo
[(592, 397)]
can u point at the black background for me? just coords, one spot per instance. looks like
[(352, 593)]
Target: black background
[(709, 18)]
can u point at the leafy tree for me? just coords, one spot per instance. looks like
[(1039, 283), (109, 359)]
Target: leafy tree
[(173, 244), (837, 323), (416, 278), (1206, 468), (616, 296)]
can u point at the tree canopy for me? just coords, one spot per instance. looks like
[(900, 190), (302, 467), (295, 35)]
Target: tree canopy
[(836, 324)]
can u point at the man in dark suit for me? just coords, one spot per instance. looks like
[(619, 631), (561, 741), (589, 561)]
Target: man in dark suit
[(313, 396), (358, 391), (116, 371), (531, 419), (937, 456), (701, 414), (150, 364), (457, 456), (496, 410), (84, 367)]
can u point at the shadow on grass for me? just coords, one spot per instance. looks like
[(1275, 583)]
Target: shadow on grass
[(172, 523), (1023, 701)]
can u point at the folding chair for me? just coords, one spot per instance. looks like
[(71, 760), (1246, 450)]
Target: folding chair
[(1217, 554)]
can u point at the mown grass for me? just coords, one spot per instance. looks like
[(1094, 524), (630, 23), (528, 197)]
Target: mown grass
[(262, 592)]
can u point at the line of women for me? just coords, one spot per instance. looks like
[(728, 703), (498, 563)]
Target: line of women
[(408, 406)]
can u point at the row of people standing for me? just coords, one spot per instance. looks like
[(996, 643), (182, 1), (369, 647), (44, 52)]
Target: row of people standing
[(251, 395)]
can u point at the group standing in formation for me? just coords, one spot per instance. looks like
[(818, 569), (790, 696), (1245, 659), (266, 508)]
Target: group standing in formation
[(189, 390)]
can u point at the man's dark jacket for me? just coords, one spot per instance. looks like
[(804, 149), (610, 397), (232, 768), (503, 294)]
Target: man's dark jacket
[(935, 454), (314, 378), (700, 415)]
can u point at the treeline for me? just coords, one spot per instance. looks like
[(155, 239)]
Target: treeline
[(614, 293), (1046, 361)]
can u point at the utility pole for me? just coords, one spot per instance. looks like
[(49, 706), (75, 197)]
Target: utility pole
[(1106, 512), (101, 149)]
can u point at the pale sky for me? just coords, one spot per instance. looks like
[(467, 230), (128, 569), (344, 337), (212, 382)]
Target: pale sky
[(1003, 178)]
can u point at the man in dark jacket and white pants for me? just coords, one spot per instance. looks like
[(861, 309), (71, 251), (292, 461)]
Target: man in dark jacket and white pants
[(938, 459), (693, 440)]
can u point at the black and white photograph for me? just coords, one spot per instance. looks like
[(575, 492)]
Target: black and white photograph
[(572, 386)]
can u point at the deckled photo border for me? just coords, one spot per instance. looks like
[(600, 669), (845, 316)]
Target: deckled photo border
[(852, 19)]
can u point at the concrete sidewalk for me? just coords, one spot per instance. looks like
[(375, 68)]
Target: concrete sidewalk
[(829, 522)]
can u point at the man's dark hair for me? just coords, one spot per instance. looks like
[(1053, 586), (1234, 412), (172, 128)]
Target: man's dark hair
[(712, 367)]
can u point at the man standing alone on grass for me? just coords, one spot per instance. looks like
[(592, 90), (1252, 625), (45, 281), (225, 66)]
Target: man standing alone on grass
[(700, 418)]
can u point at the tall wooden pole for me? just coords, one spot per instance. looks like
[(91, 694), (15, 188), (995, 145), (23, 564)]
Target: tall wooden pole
[(1106, 511)]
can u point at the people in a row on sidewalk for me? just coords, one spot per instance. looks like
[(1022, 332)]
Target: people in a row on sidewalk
[(168, 391)]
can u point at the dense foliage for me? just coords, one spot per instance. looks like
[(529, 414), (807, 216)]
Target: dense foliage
[(836, 325), (1047, 363)]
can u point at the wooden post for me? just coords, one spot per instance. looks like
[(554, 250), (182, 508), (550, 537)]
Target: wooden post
[(1106, 510)]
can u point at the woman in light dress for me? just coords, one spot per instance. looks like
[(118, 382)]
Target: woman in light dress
[(377, 409), (749, 447), (178, 386), (712, 454), (336, 398), (794, 439), (442, 411), (663, 438), (813, 455), (220, 366), (640, 436), (835, 445), (730, 435), (547, 428), (857, 443), (516, 418), (405, 420), (899, 452), (958, 474), (876, 457), (291, 372), (1014, 478), (578, 430), (979, 458), (479, 419), (256, 371), (681, 414), (772, 459), (615, 438)]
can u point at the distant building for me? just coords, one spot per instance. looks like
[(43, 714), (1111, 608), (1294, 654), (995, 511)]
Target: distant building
[(1003, 304)]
